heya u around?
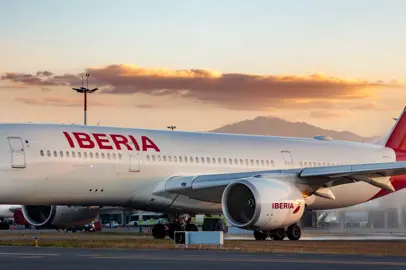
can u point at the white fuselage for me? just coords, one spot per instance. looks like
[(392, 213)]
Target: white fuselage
[(54, 173)]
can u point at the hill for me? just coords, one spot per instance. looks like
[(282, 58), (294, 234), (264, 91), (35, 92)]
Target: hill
[(272, 126)]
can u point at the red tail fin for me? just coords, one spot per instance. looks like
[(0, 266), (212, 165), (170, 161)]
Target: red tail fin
[(397, 137)]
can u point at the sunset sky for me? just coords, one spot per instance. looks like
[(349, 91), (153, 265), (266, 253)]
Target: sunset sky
[(203, 64)]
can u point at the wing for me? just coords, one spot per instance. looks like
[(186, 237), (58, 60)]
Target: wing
[(315, 180)]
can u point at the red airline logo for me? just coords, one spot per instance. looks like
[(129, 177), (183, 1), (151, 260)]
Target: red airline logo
[(116, 141), (286, 206), (282, 206)]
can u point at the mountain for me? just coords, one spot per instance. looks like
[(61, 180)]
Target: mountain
[(273, 126)]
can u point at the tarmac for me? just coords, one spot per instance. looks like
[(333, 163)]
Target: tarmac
[(67, 258), (307, 235)]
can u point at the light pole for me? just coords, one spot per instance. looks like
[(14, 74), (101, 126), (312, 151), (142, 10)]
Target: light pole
[(85, 91), (171, 127)]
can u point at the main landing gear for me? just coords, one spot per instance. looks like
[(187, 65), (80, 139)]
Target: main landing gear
[(293, 233), (159, 231)]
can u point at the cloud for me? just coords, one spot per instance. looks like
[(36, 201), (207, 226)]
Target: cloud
[(228, 90), (59, 101), (330, 114)]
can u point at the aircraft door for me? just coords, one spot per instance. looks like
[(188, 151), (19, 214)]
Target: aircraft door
[(17, 152), (134, 162), (287, 158)]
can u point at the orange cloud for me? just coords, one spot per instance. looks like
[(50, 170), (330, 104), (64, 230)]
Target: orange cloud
[(230, 90)]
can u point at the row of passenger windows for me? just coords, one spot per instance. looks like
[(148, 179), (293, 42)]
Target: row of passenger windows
[(181, 159), (307, 164), (81, 154), (208, 160)]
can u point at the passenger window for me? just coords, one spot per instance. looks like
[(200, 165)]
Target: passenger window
[(41, 153), (175, 158), (114, 156), (85, 155), (120, 156), (164, 157), (153, 157), (267, 163), (73, 154), (79, 154), (262, 163), (147, 157), (186, 159), (197, 160), (55, 154), (202, 159), (97, 155), (170, 158), (219, 160), (191, 160), (180, 159), (108, 155), (214, 160), (252, 162), (102, 155), (241, 162), (159, 158), (208, 160), (67, 153), (257, 162), (272, 163)]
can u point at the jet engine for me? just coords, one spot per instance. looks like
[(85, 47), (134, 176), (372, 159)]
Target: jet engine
[(262, 204), (58, 216)]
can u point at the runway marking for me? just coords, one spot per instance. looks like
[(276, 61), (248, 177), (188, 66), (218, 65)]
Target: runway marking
[(30, 257), (28, 254)]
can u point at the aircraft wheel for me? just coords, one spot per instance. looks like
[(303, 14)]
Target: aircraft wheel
[(294, 232), (158, 231), (260, 235)]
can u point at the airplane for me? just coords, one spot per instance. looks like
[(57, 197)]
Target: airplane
[(63, 174)]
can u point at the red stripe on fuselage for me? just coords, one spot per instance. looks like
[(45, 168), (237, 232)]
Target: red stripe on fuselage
[(398, 181)]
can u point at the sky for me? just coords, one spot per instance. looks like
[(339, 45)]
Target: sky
[(202, 64)]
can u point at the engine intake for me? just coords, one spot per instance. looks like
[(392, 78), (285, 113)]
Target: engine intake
[(259, 203), (58, 216)]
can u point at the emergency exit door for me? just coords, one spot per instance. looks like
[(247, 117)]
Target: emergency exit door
[(134, 162), (17, 152), (287, 158)]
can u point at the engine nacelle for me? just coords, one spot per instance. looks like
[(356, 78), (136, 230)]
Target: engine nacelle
[(58, 216), (262, 204)]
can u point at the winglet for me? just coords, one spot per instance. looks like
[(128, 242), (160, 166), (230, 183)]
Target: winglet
[(397, 136)]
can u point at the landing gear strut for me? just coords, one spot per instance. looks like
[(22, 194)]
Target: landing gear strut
[(293, 233)]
